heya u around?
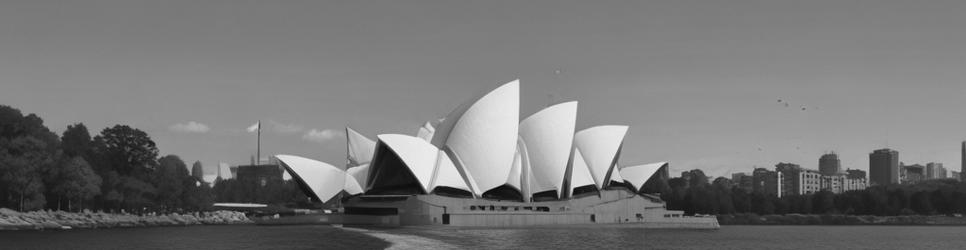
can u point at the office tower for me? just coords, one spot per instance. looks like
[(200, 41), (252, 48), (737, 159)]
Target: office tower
[(883, 167), (829, 164)]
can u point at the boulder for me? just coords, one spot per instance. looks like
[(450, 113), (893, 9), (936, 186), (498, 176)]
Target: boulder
[(50, 225)]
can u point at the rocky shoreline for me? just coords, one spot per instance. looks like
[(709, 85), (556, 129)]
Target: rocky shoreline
[(838, 219), (57, 220)]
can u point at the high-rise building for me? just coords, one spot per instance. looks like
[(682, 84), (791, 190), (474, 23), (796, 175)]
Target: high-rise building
[(912, 173), (735, 177), (962, 167), (852, 180), (884, 167), (746, 182), (855, 174), (260, 175), (767, 182), (796, 180), (829, 164), (935, 171), (743, 181), (852, 184), (834, 183)]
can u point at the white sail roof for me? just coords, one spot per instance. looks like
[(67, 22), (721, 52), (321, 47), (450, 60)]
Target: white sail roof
[(360, 174), (417, 154), (352, 186), (638, 175), (426, 132), (359, 148), (482, 137), (599, 146), (525, 175), (580, 173), (615, 175), (447, 175), (513, 179), (323, 180), (548, 136)]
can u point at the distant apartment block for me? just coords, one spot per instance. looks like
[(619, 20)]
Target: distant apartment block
[(743, 181), (883, 167), (855, 174), (854, 184), (767, 182), (260, 175), (797, 180), (910, 174), (935, 171), (829, 164), (737, 176), (851, 180), (834, 183)]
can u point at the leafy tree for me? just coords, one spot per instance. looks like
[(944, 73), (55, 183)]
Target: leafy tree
[(129, 151), (677, 198), (779, 205), (197, 171), (698, 178), (170, 179), (21, 162), (741, 200), (27, 149), (823, 202), (77, 182), (136, 194), (921, 203), (722, 193), (125, 159), (111, 196), (762, 204), (197, 197), (898, 201), (876, 201), (14, 124), (76, 141)]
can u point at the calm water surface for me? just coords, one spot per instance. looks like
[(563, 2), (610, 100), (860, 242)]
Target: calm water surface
[(193, 237), (584, 237), (811, 237)]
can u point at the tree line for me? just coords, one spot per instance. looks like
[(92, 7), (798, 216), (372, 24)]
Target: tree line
[(696, 195), (117, 169)]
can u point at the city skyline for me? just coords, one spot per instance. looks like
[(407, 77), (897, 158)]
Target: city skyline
[(722, 87)]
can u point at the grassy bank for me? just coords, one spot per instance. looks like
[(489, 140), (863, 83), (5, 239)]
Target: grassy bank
[(838, 219), (40, 220)]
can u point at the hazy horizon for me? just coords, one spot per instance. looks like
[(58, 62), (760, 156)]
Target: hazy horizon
[(702, 84)]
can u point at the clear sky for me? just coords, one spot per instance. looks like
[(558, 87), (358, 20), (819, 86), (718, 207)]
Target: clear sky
[(699, 82)]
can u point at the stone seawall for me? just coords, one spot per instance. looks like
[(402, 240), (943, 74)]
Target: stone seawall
[(683, 223), (838, 219), (45, 219)]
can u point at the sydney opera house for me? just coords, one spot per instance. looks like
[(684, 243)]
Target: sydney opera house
[(482, 166)]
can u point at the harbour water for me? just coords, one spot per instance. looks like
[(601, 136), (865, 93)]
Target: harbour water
[(326, 237), (592, 237), (810, 237)]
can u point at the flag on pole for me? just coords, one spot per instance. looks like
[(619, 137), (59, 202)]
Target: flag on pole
[(254, 127)]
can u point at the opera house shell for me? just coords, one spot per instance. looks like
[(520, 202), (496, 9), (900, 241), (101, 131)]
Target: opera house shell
[(483, 166)]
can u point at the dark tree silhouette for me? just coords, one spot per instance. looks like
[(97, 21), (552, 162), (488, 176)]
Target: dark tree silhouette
[(127, 150), (76, 183), (76, 141)]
